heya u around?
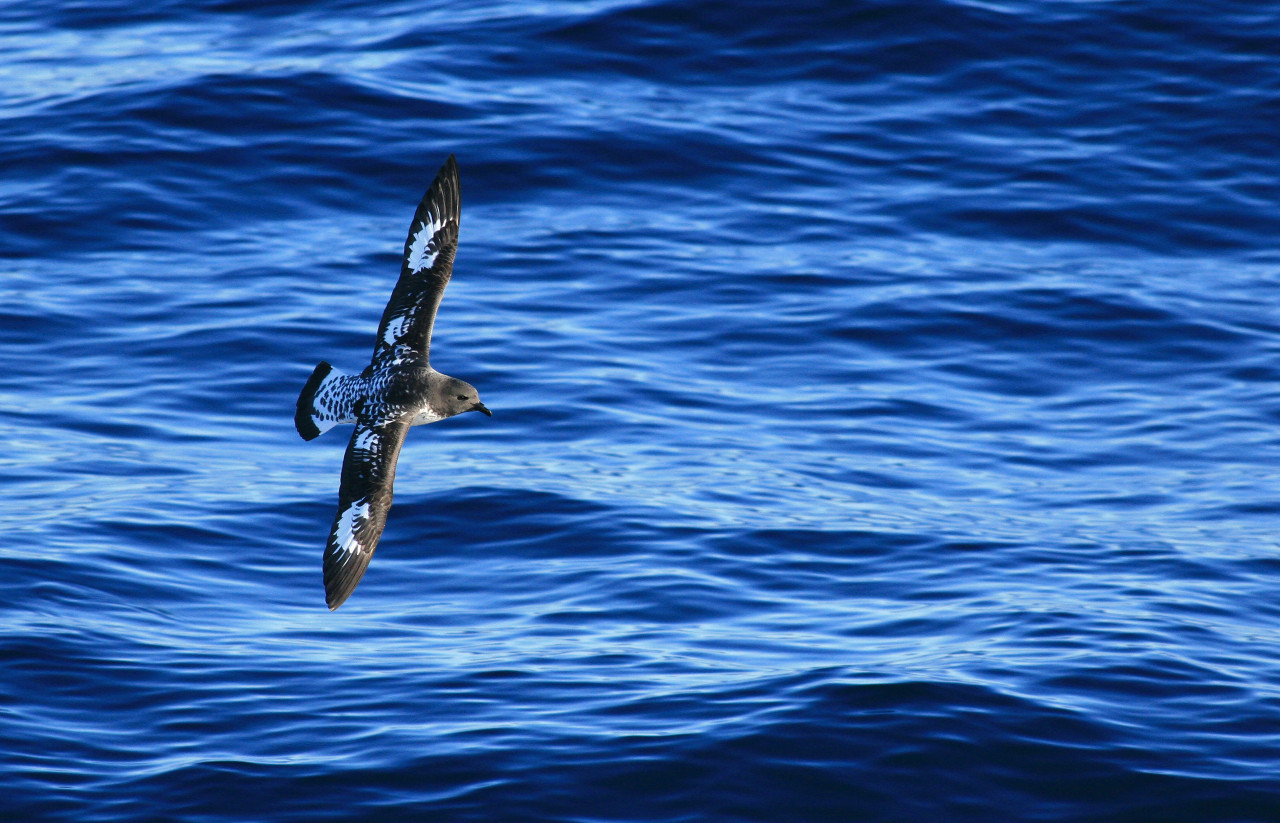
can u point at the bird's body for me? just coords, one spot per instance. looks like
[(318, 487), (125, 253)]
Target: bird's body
[(398, 389)]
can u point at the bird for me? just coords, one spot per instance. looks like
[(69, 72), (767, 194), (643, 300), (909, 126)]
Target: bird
[(397, 390)]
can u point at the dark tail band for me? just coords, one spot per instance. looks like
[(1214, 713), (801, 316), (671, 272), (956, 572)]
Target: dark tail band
[(302, 417)]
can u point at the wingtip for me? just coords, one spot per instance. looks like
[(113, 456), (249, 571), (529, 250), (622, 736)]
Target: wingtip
[(450, 170), (443, 197), (337, 590), (340, 579)]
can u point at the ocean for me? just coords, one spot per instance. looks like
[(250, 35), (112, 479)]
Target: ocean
[(885, 411)]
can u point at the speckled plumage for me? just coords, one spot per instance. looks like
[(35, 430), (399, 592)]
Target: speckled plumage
[(398, 389)]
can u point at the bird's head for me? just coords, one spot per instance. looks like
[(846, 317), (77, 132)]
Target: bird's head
[(460, 396)]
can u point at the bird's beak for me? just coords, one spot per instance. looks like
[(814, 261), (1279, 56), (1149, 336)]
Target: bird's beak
[(480, 408)]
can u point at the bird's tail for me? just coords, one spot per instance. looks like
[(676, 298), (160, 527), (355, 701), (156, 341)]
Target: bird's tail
[(318, 406)]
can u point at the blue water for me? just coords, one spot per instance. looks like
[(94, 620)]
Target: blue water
[(885, 412)]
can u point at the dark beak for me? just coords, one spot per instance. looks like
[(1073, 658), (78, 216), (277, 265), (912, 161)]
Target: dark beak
[(480, 408)]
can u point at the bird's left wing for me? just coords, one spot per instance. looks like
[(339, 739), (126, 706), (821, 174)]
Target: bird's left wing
[(429, 250), (364, 498)]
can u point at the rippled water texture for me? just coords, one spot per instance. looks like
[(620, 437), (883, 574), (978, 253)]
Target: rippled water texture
[(884, 402)]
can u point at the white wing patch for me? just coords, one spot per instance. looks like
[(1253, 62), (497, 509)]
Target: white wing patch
[(365, 439), (395, 329), (421, 254), (345, 529)]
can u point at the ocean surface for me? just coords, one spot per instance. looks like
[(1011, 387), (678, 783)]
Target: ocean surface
[(885, 401)]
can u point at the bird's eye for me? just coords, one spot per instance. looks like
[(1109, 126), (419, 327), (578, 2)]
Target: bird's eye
[(462, 397)]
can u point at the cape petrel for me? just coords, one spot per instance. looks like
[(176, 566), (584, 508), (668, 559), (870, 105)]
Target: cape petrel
[(398, 389)]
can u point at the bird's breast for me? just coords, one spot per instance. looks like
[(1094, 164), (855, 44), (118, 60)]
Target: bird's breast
[(424, 415)]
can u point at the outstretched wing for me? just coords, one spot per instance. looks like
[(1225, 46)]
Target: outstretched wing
[(368, 472), (429, 250)]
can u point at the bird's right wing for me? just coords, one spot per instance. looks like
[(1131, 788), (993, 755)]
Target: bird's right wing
[(364, 498)]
